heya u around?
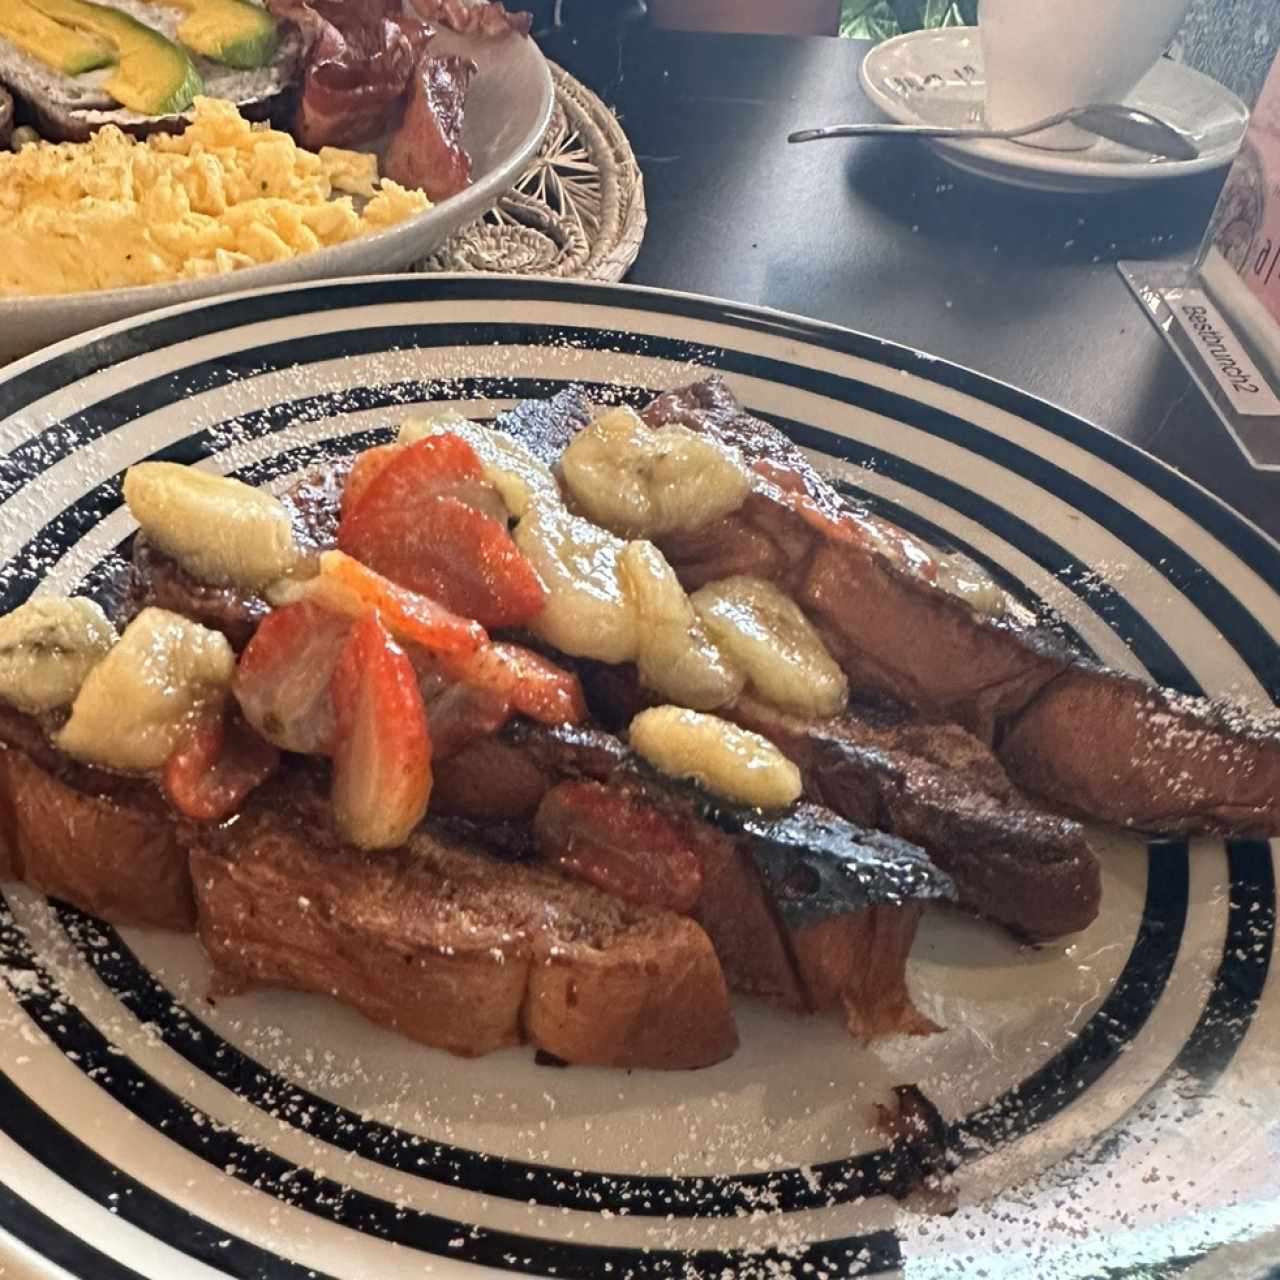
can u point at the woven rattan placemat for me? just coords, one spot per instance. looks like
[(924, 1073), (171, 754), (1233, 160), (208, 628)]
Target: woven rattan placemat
[(578, 211)]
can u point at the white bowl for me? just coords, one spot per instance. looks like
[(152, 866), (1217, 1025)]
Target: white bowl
[(508, 110)]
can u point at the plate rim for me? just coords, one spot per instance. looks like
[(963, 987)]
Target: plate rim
[(914, 360)]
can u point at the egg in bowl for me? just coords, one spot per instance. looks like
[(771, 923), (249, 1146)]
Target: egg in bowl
[(117, 212)]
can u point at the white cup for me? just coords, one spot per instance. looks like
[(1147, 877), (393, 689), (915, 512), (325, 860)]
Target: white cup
[(1045, 56)]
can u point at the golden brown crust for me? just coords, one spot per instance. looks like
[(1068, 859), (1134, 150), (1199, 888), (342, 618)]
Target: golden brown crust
[(116, 855), (906, 639), (656, 998), (263, 925)]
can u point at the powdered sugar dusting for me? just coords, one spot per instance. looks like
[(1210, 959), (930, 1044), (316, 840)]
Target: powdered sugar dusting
[(364, 1116)]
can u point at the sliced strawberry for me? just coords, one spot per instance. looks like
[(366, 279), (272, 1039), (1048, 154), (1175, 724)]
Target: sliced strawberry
[(283, 676), (441, 464), (460, 714), (382, 756), (346, 586), (366, 468), (443, 548), (472, 698), (400, 477), (215, 767), (536, 687), (619, 843)]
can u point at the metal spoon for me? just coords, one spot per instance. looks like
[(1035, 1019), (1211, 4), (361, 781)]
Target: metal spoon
[(1128, 125)]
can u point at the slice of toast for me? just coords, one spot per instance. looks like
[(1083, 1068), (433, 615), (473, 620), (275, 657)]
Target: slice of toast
[(856, 964), (1091, 741), (805, 911), (939, 787), (453, 948), (447, 945), (71, 108)]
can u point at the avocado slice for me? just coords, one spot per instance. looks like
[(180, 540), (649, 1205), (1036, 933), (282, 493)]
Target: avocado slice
[(62, 48), (152, 75), (232, 32)]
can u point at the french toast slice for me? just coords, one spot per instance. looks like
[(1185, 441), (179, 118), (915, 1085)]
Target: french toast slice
[(939, 787), (933, 784), (1167, 763), (450, 946), (453, 948), (805, 910), (1091, 741)]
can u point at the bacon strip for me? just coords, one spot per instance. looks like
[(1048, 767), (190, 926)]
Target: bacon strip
[(483, 19), (362, 55), (426, 150), (369, 74)]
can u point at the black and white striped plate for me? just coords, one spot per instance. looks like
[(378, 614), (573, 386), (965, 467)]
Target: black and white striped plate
[(1114, 1101)]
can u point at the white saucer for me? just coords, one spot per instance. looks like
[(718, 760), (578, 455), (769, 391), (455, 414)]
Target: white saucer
[(936, 77)]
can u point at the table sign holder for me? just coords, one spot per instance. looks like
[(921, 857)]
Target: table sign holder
[(1221, 315)]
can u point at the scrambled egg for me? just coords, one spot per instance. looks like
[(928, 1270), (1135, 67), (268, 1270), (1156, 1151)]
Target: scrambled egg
[(115, 212)]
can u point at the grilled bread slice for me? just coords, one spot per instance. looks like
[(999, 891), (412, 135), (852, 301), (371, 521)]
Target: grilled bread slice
[(1091, 741), (67, 108), (450, 946), (453, 948), (939, 787), (803, 910)]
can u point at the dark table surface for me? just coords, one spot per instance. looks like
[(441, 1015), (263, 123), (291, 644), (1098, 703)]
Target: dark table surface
[(884, 237)]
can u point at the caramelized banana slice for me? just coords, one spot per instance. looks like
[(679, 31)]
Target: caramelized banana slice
[(47, 648), (588, 612), (731, 762), (135, 705), (518, 476), (676, 657), (219, 530), (764, 632), (642, 483)]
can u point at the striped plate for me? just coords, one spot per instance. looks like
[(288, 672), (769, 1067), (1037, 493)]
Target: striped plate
[(1113, 1103)]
